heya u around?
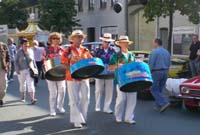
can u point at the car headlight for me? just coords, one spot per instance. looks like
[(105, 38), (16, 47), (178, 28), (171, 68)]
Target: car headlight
[(185, 90)]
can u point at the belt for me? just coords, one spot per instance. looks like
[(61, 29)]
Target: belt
[(162, 69)]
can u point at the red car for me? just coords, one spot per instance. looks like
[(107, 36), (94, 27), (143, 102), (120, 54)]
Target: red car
[(190, 93)]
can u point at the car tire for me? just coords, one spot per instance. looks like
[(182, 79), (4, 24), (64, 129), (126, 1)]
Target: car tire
[(144, 95)]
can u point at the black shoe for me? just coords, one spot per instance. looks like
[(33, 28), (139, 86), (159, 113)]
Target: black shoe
[(1, 103), (33, 101)]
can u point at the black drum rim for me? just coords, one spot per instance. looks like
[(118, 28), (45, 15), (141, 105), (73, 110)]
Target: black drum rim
[(95, 72), (136, 86)]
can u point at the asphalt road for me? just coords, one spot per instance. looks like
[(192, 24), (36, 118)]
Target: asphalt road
[(17, 118)]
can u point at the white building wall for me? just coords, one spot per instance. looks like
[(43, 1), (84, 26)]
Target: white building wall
[(100, 18), (179, 20)]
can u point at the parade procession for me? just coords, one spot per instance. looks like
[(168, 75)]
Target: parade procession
[(108, 67)]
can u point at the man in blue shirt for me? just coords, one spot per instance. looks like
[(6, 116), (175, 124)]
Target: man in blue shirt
[(159, 62), (12, 50)]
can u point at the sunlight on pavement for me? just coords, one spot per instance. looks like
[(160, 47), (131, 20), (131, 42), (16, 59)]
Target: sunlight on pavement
[(14, 109)]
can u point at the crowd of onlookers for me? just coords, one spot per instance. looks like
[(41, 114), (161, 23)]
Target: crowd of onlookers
[(16, 59)]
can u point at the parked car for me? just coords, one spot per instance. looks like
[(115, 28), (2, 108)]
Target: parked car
[(178, 68), (92, 46), (190, 93)]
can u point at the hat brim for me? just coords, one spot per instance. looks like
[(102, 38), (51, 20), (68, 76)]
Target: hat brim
[(105, 39), (71, 36), (129, 42)]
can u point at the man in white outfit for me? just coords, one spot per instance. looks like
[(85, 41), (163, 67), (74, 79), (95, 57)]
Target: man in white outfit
[(78, 90), (105, 53), (125, 102)]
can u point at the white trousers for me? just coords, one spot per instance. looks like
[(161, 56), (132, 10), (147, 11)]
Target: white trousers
[(25, 80), (107, 86), (79, 96), (125, 102), (57, 91)]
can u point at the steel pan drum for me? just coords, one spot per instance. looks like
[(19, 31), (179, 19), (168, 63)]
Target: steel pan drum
[(106, 74), (53, 69), (134, 77), (86, 68)]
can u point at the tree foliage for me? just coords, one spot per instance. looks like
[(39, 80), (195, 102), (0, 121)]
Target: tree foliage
[(57, 15), (163, 8), (13, 14)]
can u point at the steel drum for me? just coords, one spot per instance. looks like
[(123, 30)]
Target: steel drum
[(134, 77), (106, 74), (53, 69), (86, 68)]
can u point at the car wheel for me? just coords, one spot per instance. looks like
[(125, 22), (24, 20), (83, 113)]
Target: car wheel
[(175, 102)]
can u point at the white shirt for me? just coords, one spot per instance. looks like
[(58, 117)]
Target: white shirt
[(38, 53), (125, 54)]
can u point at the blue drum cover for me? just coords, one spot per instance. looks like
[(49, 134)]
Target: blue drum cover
[(134, 76), (87, 68)]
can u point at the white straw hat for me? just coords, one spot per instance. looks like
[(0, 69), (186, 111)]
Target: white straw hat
[(107, 37), (124, 39)]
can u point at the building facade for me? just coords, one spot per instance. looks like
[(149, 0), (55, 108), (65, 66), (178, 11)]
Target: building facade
[(143, 33), (98, 17)]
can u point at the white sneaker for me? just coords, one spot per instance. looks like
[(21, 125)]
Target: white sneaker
[(23, 100), (108, 111), (61, 110), (118, 120), (78, 125), (52, 114), (130, 121), (97, 109)]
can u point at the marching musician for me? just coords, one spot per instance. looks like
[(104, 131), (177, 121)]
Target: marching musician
[(78, 90), (105, 53), (125, 102), (56, 88)]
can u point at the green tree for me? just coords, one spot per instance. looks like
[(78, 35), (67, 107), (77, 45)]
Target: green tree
[(13, 13), (58, 15), (164, 8)]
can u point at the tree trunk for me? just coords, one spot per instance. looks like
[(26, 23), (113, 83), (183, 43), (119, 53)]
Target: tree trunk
[(170, 29), (170, 32)]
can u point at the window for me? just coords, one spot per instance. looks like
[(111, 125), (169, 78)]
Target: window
[(113, 2), (164, 36), (80, 5), (182, 38), (91, 4), (103, 4)]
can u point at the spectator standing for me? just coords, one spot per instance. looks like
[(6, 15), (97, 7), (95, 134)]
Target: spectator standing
[(193, 54), (4, 68), (39, 55), (12, 50)]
